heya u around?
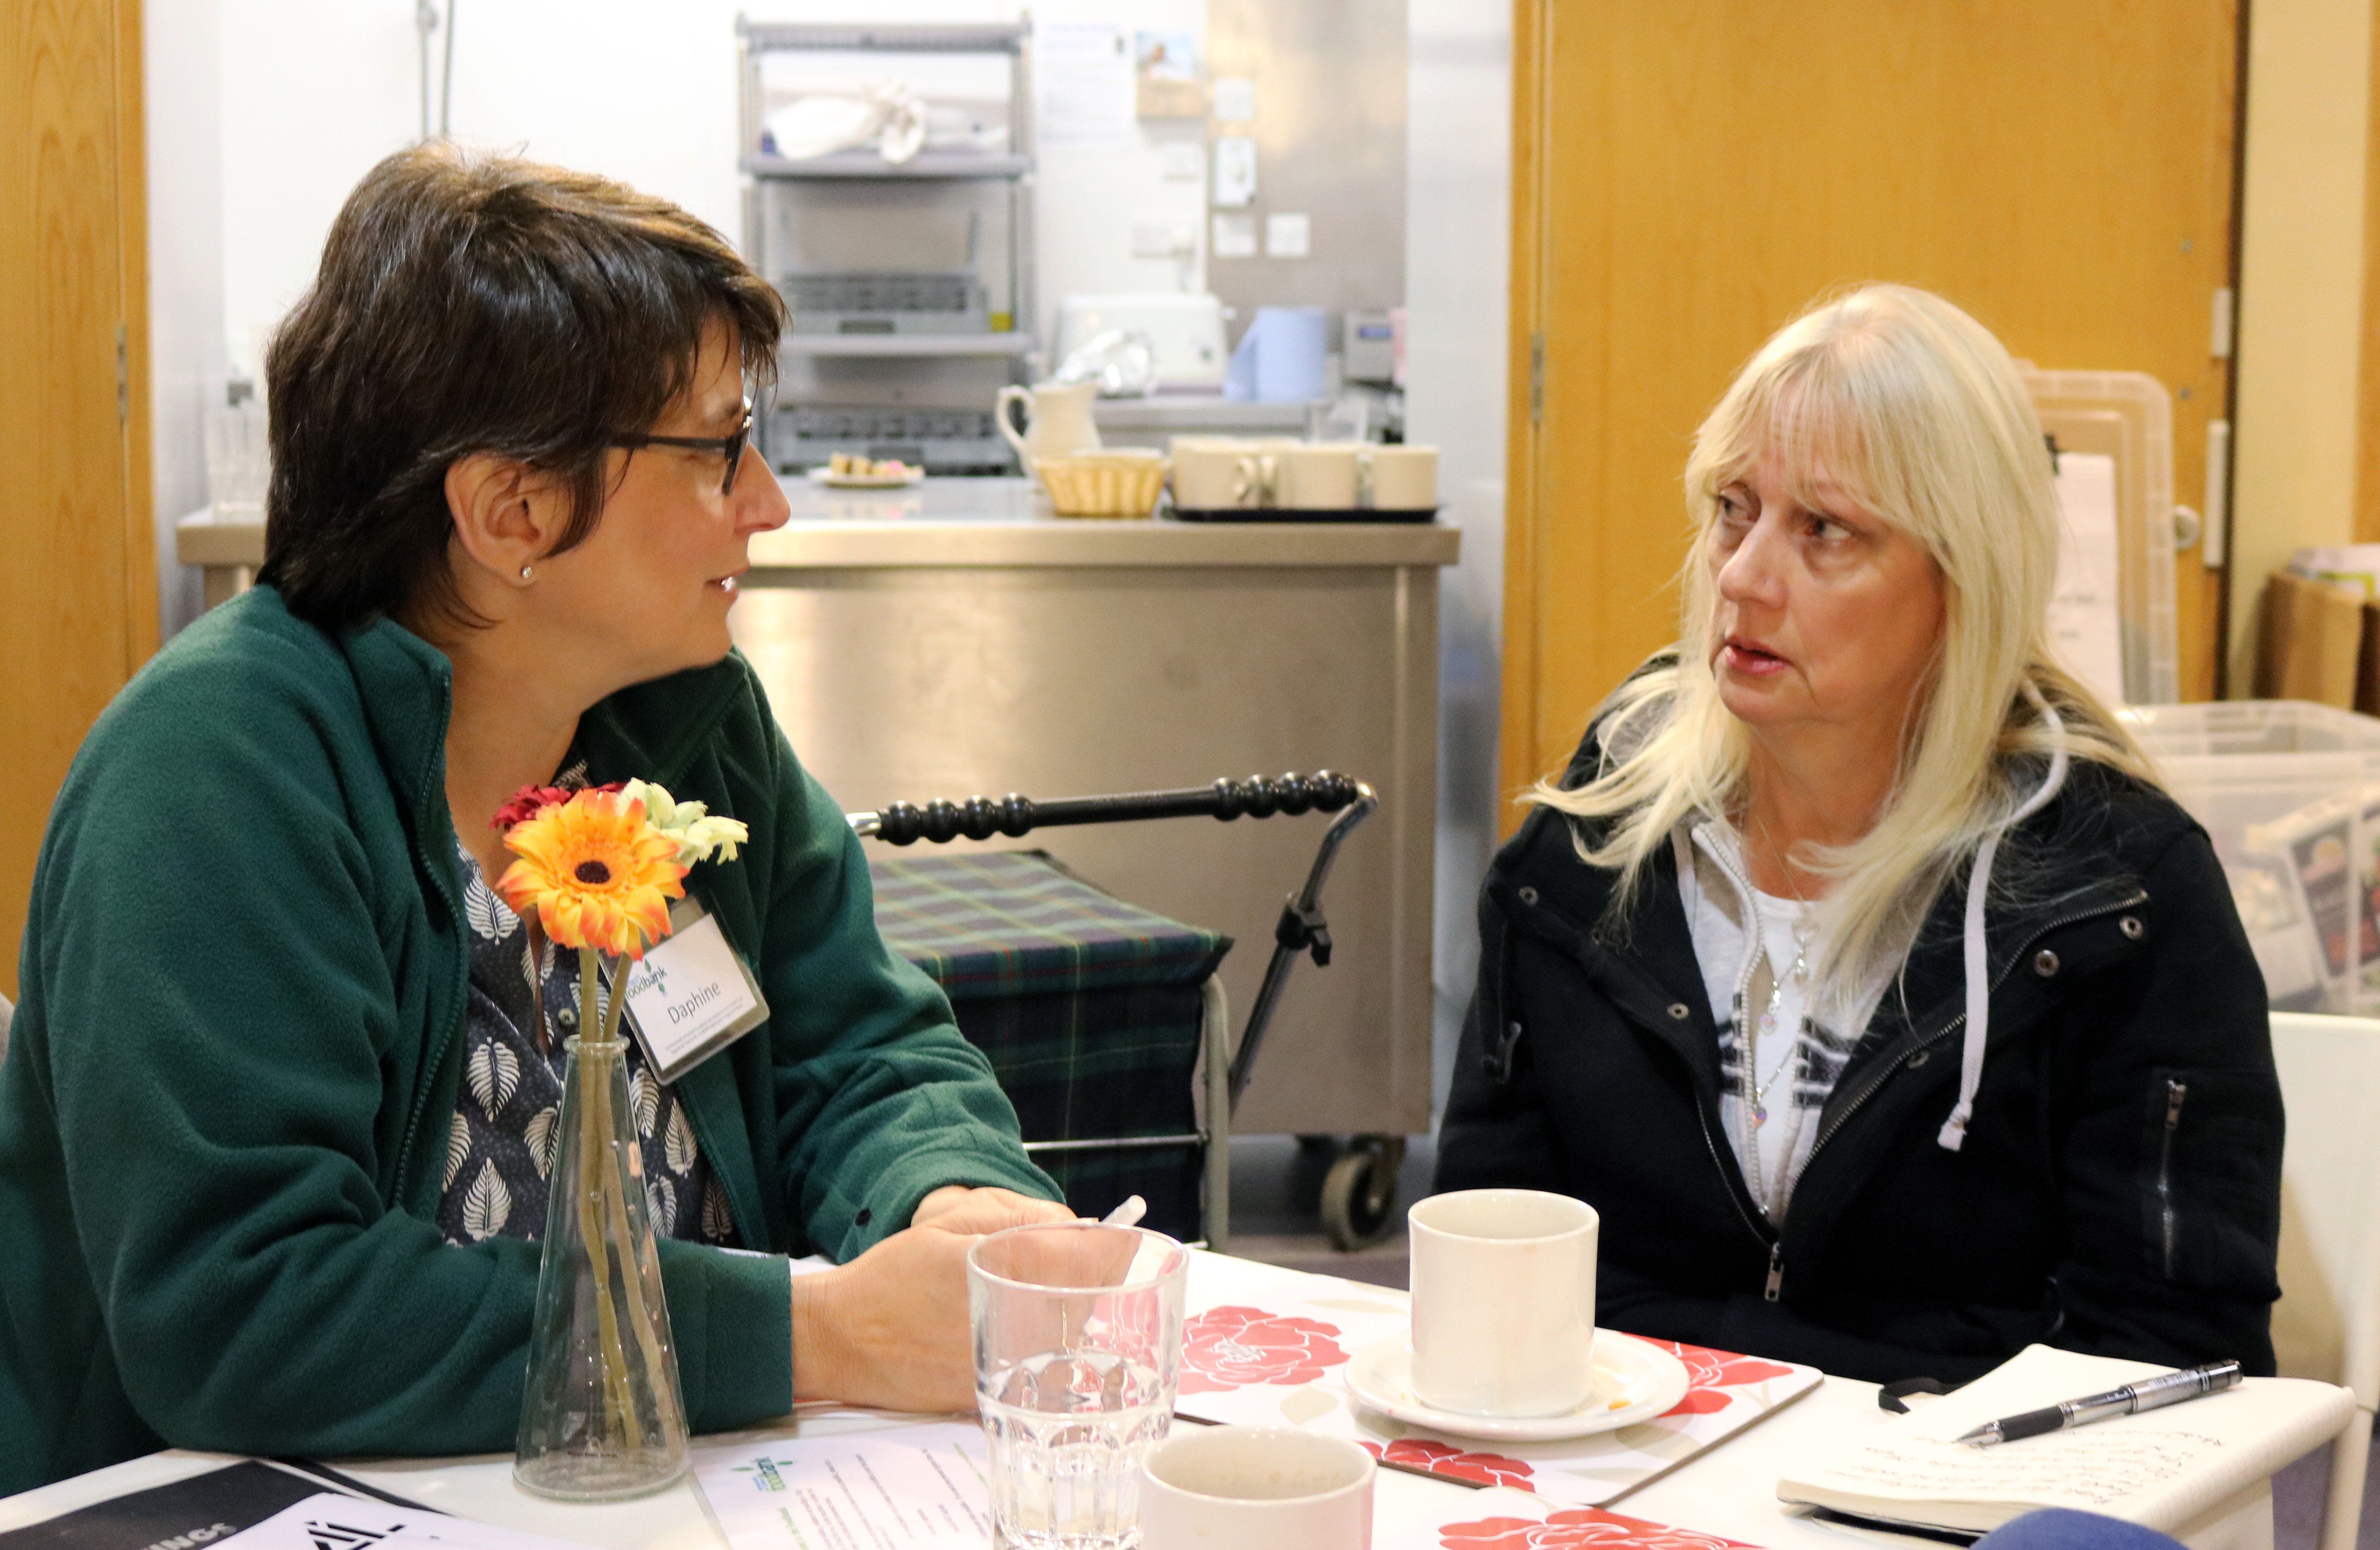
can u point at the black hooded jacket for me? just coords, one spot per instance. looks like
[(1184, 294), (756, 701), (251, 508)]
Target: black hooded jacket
[(2119, 1189)]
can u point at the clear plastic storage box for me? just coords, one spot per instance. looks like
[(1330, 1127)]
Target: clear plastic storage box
[(2290, 794)]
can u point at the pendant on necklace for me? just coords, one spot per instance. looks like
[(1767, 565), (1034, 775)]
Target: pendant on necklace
[(1760, 1114)]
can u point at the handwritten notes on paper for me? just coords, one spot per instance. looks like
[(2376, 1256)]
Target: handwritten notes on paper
[(915, 1486), (2085, 1469), (2160, 1468)]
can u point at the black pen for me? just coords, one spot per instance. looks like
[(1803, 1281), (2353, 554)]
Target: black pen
[(2146, 1395)]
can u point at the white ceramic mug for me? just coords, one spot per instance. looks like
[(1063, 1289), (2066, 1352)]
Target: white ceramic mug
[(1316, 476), (1503, 1301), (1216, 473), (1255, 1488), (1399, 477)]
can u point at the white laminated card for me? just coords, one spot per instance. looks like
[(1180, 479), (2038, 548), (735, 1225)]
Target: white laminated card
[(691, 995)]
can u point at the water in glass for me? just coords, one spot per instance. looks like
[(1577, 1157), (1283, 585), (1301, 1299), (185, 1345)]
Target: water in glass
[(1068, 1430)]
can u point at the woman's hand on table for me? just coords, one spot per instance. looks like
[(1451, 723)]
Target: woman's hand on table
[(890, 1329)]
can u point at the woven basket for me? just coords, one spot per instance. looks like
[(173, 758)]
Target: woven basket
[(1114, 484)]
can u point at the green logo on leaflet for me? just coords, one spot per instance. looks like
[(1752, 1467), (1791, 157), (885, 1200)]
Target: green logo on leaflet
[(764, 1472)]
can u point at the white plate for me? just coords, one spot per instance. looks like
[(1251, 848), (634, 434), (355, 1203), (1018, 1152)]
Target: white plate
[(1633, 1382), (867, 481)]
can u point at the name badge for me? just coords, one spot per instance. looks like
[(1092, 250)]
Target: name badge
[(690, 996)]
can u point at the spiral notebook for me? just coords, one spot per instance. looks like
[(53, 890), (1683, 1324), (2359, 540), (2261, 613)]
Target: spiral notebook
[(2163, 1468)]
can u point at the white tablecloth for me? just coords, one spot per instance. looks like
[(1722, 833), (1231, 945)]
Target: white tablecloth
[(1728, 1490)]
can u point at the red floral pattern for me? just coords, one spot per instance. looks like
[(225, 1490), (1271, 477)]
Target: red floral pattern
[(1234, 1346), (1708, 1372), (1574, 1529), (1438, 1457)]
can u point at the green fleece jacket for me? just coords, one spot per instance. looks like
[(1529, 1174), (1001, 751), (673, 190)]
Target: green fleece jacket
[(224, 1113)]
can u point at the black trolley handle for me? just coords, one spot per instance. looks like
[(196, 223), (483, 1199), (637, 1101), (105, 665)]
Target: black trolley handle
[(1301, 928), (981, 817)]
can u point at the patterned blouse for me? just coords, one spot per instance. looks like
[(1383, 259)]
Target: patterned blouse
[(506, 1132)]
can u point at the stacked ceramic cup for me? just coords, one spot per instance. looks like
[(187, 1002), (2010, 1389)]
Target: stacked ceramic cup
[(1233, 478)]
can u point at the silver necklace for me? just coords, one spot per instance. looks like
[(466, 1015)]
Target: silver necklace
[(1766, 1025)]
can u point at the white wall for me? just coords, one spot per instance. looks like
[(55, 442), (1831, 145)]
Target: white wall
[(181, 59), (2301, 292), (1458, 277), (313, 95)]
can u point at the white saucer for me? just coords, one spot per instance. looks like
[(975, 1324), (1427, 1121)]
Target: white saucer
[(867, 481), (1633, 1382)]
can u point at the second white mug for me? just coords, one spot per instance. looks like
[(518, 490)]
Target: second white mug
[(1503, 1301), (1255, 1488)]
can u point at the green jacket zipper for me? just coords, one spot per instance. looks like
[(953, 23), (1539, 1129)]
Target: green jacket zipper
[(2175, 1091)]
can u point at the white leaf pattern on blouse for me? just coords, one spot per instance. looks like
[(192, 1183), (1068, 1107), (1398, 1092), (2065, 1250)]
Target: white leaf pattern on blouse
[(487, 1205), (458, 1149), (662, 1201), (543, 1133), (645, 1095), (677, 1142), (494, 1073), (718, 1222), (488, 913)]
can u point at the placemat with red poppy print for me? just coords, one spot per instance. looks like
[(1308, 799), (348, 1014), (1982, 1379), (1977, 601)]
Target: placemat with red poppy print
[(1507, 1521), (1266, 1346)]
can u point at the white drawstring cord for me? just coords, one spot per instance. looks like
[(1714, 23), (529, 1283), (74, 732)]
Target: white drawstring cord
[(1979, 882)]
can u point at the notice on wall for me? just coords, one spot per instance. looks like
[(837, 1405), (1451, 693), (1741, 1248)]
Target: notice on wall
[(2086, 611), (1236, 236), (1288, 234), (1084, 72), (921, 1486), (1235, 172)]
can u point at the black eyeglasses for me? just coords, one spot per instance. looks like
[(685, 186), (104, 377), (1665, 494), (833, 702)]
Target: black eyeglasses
[(730, 446)]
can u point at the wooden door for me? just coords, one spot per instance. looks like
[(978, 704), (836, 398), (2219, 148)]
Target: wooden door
[(1688, 175), (78, 575)]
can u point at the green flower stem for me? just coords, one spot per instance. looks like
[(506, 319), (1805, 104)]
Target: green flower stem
[(631, 1275), (592, 1188)]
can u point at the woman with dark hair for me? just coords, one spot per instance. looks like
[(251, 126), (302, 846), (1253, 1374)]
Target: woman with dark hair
[(270, 1159)]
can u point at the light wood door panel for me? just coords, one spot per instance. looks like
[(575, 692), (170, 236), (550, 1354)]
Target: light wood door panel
[(1688, 176), (77, 588)]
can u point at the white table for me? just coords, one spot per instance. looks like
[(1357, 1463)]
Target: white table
[(1729, 1489)]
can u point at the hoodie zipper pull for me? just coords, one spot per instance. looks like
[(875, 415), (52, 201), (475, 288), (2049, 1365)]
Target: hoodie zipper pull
[(1775, 1272)]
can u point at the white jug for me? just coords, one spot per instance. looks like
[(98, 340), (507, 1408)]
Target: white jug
[(1058, 420)]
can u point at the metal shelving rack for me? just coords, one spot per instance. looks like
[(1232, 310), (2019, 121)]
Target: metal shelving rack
[(805, 431)]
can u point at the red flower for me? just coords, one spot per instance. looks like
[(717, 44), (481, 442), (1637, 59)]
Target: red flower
[(1709, 1372), (529, 801), (1231, 1347), (1442, 1459), (1576, 1529)]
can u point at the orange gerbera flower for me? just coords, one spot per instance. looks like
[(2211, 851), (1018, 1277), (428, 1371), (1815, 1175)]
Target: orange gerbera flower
[(596, 873)]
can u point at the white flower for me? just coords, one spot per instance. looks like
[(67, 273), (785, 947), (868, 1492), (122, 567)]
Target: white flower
[(697, 835)]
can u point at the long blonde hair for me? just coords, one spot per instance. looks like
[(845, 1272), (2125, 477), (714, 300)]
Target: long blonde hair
[(1914, 411)]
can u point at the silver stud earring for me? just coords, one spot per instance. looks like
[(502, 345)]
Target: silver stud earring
[(525, 576)]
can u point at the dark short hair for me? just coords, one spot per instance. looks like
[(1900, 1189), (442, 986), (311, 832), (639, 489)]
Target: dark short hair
[(478, 304)]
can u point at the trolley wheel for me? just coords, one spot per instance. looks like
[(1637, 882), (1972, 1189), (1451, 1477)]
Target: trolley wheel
[(1359, 1195)]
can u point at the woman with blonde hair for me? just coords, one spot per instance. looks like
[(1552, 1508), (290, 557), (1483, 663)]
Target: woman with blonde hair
[(1857, 971)]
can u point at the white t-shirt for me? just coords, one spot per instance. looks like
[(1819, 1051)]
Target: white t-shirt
[(1776, 1072)]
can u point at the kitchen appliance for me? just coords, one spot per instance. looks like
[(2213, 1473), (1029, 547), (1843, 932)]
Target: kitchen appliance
[(1184, 331)]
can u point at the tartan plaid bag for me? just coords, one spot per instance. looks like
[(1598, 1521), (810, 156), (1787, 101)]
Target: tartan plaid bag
[(1087, 1007)]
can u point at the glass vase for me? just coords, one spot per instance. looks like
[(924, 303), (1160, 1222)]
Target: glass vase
[(601, 1417)]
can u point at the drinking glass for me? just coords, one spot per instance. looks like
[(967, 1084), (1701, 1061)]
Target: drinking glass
[(1077, 1347)]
